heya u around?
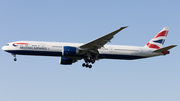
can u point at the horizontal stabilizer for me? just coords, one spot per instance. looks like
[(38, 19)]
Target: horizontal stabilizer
[(165, 48)]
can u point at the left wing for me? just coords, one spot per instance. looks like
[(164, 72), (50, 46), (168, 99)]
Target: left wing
[(100, 42)]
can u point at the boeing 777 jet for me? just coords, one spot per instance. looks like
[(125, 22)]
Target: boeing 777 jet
[(90, 52)]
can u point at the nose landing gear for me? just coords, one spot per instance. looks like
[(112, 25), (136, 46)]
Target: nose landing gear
[(15, 59), (14, 55)]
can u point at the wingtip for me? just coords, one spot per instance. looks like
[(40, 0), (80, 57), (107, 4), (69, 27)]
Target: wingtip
[(123, 27)]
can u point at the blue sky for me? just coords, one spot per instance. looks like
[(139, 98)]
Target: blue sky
[(34, 78)]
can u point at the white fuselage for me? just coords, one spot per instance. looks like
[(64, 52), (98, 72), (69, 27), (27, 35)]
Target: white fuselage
[(56, 49)]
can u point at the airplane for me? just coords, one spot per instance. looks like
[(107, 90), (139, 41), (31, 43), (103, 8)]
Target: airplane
[(97, 49)]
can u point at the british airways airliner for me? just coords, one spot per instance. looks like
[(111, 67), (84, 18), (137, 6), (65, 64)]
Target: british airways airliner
[(94, 50)]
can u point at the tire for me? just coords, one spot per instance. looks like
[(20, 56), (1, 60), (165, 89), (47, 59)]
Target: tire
[(90, 66), (15, 59), (83, 64)]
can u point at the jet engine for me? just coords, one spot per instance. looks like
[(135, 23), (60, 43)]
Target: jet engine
[(69, 51), (66, 61)]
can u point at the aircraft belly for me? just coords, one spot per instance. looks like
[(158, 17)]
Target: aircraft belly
[(119, 56), (40, 53)]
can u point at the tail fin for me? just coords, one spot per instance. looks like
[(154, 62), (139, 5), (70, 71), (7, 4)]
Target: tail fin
[(158, 41)]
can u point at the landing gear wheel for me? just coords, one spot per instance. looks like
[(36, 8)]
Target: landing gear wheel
[(87, 65), (83, 64), (90, 66), (15, 59)]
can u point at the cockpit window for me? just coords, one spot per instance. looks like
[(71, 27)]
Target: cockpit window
[(7, 44)]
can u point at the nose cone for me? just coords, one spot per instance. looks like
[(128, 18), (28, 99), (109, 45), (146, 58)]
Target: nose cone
[(3, 48)]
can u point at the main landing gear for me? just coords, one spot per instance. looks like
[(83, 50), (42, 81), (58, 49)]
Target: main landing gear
[(90, 58), (87, 63), (14, 55)]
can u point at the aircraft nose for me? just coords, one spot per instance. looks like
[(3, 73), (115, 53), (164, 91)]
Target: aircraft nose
[(3, 48)]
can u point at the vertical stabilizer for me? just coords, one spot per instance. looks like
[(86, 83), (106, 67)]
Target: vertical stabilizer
[(158, 41)]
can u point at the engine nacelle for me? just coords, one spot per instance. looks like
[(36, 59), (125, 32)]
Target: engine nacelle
[(66, 61), (69, 51)]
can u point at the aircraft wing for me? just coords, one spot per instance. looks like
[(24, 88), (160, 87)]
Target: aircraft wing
[(100, 42)]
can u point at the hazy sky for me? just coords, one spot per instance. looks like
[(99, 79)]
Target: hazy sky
[(34, 78)]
